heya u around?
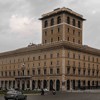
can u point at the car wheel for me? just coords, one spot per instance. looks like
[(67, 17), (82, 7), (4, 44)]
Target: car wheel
[(25, 98), (16, 99)]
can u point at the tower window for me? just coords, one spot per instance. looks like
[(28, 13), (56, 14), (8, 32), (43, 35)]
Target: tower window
[(45, 41), (73, 22), (68, 38), (58, 39), (73, 32), (73, 40), (45, 33), (46, 23), (79, 34), (79, 24), (59, 20), (52, 31), (58, 30), (68, 30), (52, 21), (51, 39), (68, 20), (79, 41)]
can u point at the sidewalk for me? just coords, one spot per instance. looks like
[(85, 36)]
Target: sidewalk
[(87, 91)]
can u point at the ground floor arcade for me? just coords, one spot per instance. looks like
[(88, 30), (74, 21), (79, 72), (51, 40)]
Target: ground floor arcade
[(56, 84)]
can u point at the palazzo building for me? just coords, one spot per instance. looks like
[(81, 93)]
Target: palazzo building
[(61, 61)]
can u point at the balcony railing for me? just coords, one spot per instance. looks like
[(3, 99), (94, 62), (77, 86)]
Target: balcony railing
[(23, 77)]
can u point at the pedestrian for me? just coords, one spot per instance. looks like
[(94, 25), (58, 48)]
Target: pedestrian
[(53, 91), (42, 92)]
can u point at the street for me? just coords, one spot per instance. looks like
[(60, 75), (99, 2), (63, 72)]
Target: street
[(64, 96)]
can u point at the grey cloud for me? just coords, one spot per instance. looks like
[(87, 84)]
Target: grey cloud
[(34, 9)]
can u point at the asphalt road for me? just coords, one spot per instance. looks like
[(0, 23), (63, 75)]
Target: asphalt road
[(64, 96)]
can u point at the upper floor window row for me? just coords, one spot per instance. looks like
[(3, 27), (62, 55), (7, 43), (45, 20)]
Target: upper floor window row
[(73, 22), (58, 21), (52, 21)]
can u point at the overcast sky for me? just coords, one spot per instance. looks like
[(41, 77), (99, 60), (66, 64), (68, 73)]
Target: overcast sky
[(19, 24)]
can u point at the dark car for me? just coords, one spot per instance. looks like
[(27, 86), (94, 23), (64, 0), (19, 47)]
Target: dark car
[(15, 95)]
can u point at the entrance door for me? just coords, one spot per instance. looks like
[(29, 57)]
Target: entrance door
[(51, 84)]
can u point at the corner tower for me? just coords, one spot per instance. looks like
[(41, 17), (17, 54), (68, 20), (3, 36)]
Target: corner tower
[(62, 24)]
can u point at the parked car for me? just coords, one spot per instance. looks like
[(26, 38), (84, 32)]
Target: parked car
[(15, 95), (46, 90)]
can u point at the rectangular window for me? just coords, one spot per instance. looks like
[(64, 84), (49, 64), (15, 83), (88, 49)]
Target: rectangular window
[(33, 71), (57, 54), (44, 56), (38, 57), (84, 70), (74, 71), (79, 71), (57, 62), (89, 72), (45, 71), (33, 58), (51, 71), (58, 30), (68, 70), (58, 71), (39, 72)]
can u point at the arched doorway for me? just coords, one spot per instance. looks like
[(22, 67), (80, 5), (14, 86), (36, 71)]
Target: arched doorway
[(39, 84), (44, 84), (5, 84), (18, 84), (57, 85), (96, 84), (68, 84), (51, 84), (13, 84), (74, 84), (23, 85), (33, 85), (28, 84), (88, 84), (79, 85)]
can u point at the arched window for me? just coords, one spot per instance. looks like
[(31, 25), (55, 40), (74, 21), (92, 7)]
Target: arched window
[(46, 23), (68, 20), (59, 20), (73, 22), (52, 21), (79, 24)]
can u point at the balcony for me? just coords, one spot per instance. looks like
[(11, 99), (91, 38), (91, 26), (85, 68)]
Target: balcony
[(23, 77)]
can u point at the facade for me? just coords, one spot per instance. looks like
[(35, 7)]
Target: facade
[(61, 61)]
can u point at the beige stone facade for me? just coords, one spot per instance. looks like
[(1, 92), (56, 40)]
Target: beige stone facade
[(60, 61)]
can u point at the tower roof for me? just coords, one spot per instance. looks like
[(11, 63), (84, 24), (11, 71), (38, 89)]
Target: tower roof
[(60, 10)]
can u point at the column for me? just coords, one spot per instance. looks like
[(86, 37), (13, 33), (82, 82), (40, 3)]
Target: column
[(7, 84), (54, 84), (20, 84), (71, 85), (3, 84), (42, 84), (11, 84), (36, 84), (25, 84), (63, 70), (15, 83), (48, 84), (30, 84)]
